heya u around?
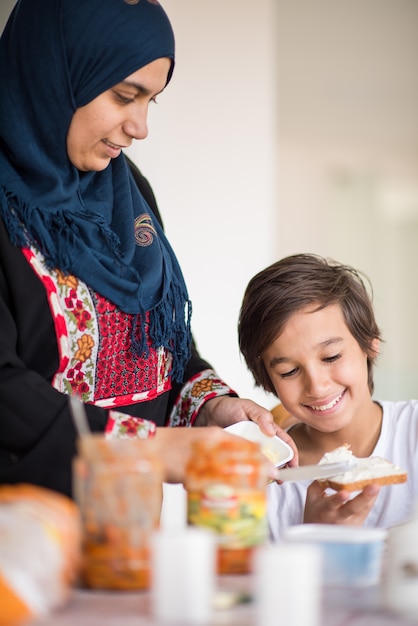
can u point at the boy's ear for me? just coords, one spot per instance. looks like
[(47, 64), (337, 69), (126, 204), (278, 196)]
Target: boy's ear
[(376, 346)]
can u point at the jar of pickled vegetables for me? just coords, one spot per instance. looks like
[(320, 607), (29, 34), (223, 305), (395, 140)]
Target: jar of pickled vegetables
[(226, 485), (118, 487)]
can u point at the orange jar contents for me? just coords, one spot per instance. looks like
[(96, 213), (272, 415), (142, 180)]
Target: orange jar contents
[(226, 487), (118, 487)]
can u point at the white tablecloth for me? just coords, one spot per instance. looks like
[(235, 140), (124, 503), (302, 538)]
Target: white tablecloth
[(340, 607)]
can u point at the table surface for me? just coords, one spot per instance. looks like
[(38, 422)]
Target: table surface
[(340, 607)]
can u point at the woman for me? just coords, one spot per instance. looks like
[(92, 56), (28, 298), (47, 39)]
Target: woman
[(93, 301)]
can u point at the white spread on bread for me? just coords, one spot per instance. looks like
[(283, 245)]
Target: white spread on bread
[(362, 470), (338, 455)]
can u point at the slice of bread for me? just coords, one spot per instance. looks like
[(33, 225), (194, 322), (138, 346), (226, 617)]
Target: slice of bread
[(363, 471)]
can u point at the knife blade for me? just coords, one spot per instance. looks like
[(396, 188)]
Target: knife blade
[(312, 472)]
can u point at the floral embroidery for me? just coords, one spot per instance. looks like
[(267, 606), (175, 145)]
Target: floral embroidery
[(123, 426), (94, 342), (77, 382), (144, 230), (85, 344), (70, 281), (201, 387), (96, 359), (77, 308), (198, 390)]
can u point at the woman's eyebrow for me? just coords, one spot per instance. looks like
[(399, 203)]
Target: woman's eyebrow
[(139, 87)]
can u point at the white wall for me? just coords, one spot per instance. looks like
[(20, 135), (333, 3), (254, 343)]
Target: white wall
[(348, 156), (5, 8)]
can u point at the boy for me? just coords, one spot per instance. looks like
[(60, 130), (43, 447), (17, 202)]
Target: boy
[(308, 334)]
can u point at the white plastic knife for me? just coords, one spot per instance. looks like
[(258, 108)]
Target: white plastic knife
[(313, 472)]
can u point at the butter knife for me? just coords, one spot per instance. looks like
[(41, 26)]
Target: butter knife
[(312, 472)]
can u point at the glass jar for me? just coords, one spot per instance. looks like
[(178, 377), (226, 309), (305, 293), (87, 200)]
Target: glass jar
[(118, 487), (226, 485)]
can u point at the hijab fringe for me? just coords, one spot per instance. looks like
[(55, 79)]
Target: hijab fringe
[(169, 321), (161, 333), (17, 232), (56, 222)]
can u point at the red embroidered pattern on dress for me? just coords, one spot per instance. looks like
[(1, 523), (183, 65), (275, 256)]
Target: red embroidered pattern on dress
[(96, 359), (198, 390), (122, 426)]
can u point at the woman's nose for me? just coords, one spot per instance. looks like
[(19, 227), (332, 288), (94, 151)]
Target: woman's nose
[(136, 126)]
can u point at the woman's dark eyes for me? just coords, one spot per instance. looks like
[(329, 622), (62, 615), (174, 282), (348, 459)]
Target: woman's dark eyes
[(124, 99), (130, 99)]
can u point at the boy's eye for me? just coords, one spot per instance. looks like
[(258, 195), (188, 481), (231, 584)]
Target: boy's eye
[(331, 359), (290, 373)]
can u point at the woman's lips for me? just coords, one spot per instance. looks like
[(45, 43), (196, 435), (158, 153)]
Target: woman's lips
[(113, 150)]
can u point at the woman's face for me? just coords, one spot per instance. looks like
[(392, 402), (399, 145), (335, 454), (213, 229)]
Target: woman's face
[(108, 124)]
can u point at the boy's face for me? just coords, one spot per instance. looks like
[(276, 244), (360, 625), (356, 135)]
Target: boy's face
[(319, 370)]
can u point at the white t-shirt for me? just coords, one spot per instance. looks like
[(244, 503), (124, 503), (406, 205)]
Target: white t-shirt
[(398, 442)]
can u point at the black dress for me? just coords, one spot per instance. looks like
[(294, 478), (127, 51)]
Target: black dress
[(37, 436)]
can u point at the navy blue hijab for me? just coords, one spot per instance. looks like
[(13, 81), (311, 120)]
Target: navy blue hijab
[(56, 56)]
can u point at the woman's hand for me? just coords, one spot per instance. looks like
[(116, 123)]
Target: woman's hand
[(339, 507), (175, 446), (226, 410)]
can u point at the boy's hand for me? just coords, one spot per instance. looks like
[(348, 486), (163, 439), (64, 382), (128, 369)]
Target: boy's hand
[(340, 507)]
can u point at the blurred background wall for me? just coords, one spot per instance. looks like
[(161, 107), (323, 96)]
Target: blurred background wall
[(348, 156), (290, 126)]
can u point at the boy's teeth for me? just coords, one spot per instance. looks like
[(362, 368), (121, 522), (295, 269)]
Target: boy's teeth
[(324, 407)]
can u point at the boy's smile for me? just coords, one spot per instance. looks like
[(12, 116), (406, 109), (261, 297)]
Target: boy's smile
[(329, 405), (319, 371)]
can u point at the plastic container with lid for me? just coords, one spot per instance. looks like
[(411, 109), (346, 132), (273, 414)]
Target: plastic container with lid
[(226, 484), (118, 487), (351, 555)]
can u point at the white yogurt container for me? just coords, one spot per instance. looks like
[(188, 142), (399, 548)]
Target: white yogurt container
[(351, 555), (274, 448)]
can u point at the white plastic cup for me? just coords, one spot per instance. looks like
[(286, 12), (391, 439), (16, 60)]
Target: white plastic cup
[(183, 572), (174, 506), (288, 585), (351, 555)]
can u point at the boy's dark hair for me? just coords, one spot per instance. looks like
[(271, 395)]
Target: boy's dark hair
[(282, 289)]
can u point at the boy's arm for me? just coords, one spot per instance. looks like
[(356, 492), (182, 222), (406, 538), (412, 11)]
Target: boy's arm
[(340, 507)]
